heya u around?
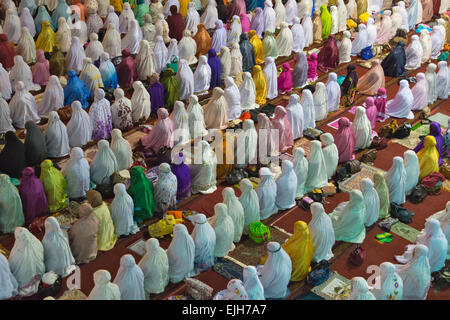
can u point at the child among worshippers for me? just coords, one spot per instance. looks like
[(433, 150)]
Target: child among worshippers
[(54, 186)]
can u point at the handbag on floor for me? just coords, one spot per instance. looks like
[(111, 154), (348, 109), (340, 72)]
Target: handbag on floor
[(106, 188), (402, 214), (388, 130), (378, 143), (403, 131), (312, 133), (369, 157), (353, 166), (418, 194), (258, 232), (319, 273), (235, 176), (357, 256)]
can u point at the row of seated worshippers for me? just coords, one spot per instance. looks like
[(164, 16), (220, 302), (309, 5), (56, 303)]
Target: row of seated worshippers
[(54, 187)]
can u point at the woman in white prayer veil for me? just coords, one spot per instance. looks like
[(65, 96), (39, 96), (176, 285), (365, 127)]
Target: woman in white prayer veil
[(342, 15), (132, 39), (12, 27), (236, 60), (76, 55), (79, 128), (270, 17), (172, 50), (280, 13), (112, 17), (161, 54), (412, 169), (63, 38), (53, 98), (396, 181), (295, 116), (304, 7), (185, 78), (9, 286), (56, 137), (362, 129), (360, 290), (270, 73), (247, 144), (145, 61), (286, 186), (180, 120), (57, 254), (22, 72), (330, 153), (202, 77), (112, 42), (216, 111), (396, 19), (404, 14), (322, 233), (121, 149), (95, 47), (235, 31), (309, 113), (233, 99), (26, 259), (155, 266), (140, 103), (149, 30), (298, 36), (442, 80), (187, 47), (162, 28), (224, 230), (252, 284), (308, 29), (23, 107), (317, 168), (203, 174), (400, 106), (284, 40), (333, 92), (389, 282), (414, 54), (235, 291), (122, 210), (225, 61), (443, 217), (301, 170), (205, 242), (250, 202), (371, 200), (104, 289), (275, 274), (196, 118), (91, 76), (77, 174), (181, 254), (267, 192), (334, 20), (26, 20), (192, 19), (320, 98), (104, 163), (125, 17), (352, 9), (26, 46), (425, 41), (416, 275), (5, 117), (384, 28), (361, 40), (371, 32), (441, 25), (291, 12), (130, 278), (247, 92), (210, 15), (5, 84), (348, 219), (431, 79), (235, 211)]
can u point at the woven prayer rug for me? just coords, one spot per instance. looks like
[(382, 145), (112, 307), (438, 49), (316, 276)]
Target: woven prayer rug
[(336, 287), (229, 269), (352, 183), (413, 139), (303, 143), (405, 231), (440, 118)]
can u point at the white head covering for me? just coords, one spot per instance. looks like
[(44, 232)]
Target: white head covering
[(371, 32), (416, 275), (396, 181), (361, 40), (161, 54), (56, 137), (247, 92), (431, 79), (185, 78), (317, 168), (104, 289), (345, 48), (216, 111), (172, 50), (437, 42), (320, 98), (155, 266), (396, 19), (250, 202), (8, 284), (76, 55), (362, 129), (351, 9), (162, 28), (235, 211), (5, 117), (122, 210), (235, 291), (57, 254), (267, 192), (77, 174), (149, 30), (276, 272), (140, 102), (192, 18), (112, 42), (235, 31), (291, 11), (304, 8), (334, 19), (121, 149), (26, 46), (270, 73), (112, 17), (400, 106), (23, 106), (301, 170), (298, 35), (420, 92), (308, 29), (412, 170), (236, 60), (219, 38), (247, 144), (22, 72), (286, 186), (342, 15), (5, 84), (202, 76), (333, 92), (187, 47), (100, 111), (414, 54), (196, 118), (280, 13), (78, 28), (79, 128), (402, 10), (210, 15), (425, 41), (309, 112), (391, 283), (26, 259), (284, 40), (330, 153), (167, 6), (233, 98), (322, 233), (224, 229), (269, 15), (125, 17), (252, 284), (348, 219), (436, 242), (104, 163), (12, 27), (384, 30), (145, 61), (360, 290), (130, 279), (205, 242), (26, 20), (225, 61), (53, 98), (442, 80), (181, 254), (371, 200), (95, 47), (443, 217)]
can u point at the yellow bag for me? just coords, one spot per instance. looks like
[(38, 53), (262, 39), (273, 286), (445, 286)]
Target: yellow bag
[(163, 227), (351, 24)]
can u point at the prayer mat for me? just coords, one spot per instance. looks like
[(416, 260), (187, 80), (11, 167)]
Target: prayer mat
[(249, 253), (336, 287), (405, 231), (138, 247), (334, 124), (303, 143), (353, 182), (229, 269), (134, 138), (440, 118), (413, 139)]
